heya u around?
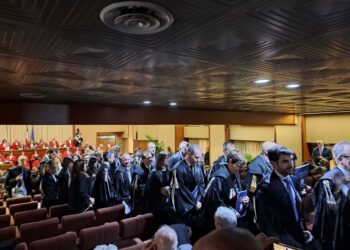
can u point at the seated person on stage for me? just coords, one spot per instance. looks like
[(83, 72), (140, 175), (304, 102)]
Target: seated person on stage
[(11, 159), (69, 143), (321, 156), (2, 158), (40, 144), (54, 143), (30, 144), (16, 145), (35, 159), (4, 145), (17, 181)]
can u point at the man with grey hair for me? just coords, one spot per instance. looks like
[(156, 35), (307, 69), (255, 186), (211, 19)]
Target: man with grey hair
[(327, 194), (123, 181), (165, 238), (225, 217), (187, 184), (219, 163), (180, 155), (151, 147)]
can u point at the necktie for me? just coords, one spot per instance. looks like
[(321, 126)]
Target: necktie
[(292, 195), (129, 174)]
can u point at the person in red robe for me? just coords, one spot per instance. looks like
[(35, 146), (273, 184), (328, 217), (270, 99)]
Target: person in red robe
[(3, 145), (16, 145), (66, 153), (35, 159), (40, 144), (30, 144), (2, 158), (12, 159), (69, 143), (54, 143)]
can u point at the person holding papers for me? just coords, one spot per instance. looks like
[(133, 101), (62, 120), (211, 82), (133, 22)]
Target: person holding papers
[(223, 189), (278, 202)]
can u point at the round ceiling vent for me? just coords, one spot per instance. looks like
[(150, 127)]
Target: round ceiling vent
[(136, 17)]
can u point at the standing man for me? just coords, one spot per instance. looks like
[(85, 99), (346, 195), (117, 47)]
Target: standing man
[(328, 201), (138, 157), (103, 190), (219, 163), (151, 147), (185, 184), (17, 180), (321, 156), (180, 155), (279, 203)]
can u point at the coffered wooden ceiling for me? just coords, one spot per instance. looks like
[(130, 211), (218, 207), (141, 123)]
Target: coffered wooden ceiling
[(207, 59)]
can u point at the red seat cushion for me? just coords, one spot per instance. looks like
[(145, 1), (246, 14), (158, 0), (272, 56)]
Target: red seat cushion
[(65, 241), (76, 222), (23, 207), (30, 216), (2, 210), (132, 227), (7, 233), (109, 214), (58, 211), (18, 200), (100, 235), (5, 220), (39, 230)]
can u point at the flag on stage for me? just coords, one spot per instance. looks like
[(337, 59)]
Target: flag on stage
[(27, 136), (32, 136)]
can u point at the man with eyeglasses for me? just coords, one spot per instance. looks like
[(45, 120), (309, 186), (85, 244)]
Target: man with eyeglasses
[(187, 184), (332, 208), (278, 202)]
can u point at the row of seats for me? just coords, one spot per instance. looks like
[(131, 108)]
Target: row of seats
[(141, 226)]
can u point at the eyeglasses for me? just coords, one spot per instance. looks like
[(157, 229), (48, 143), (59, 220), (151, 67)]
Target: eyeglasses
[(345, 156)]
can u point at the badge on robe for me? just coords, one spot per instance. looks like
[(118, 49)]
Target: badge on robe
[(232, 193)]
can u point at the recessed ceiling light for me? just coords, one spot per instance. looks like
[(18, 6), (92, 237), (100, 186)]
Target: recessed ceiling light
[(32, 95), (293, 86), (173, 104), (262, 81), (147, 102)]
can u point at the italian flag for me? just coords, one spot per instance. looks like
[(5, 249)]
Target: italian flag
[(27, 136)]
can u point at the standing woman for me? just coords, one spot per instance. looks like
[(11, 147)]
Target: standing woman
[(158, 191), (50, 185), (64, 180), (78, 197)]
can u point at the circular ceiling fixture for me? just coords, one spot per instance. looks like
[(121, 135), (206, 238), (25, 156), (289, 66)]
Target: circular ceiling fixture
[(136, 17), (32, 95)]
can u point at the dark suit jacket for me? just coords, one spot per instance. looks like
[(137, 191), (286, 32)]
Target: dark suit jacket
[(10, 179), (275, 215), (175, 158), (326, 153)]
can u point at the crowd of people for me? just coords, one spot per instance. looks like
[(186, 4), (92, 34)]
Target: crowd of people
[(197, 204)]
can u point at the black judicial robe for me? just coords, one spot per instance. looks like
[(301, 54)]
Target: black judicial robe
[(123, 185), (218, 194), (78, 198), (325, 199), (342, 232), (186, 184), (175, 158), (275, 215), (219, 163), (138, 186), (63, 184), (50, 189), (259, 167), (103, 191)]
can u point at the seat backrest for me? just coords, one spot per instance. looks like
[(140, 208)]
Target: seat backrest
[(150, 228), (65, 241), (22, 246), (134, 244), (58, 211), (7, 233), (30, 216), (76, 222), (109, 214), (17, 200), (132, 227), (5, 220), (39, 230), (2, 210), (1, 202), (37, 197), (23, 207), (100, 235)]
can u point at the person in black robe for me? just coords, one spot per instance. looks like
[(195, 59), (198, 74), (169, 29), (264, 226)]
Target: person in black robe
[(223, 189), (158, 193), (221, 162), (18, 179), (91, 171), (185, 181), (50, 185), (342, 232), (35, 180), (327, 198), (278, 202), (123, 182), (138, 185), (64, 180), (78, 197), (103, 190), (180, 155)]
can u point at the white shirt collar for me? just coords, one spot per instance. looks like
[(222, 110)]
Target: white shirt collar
[(281, 176)]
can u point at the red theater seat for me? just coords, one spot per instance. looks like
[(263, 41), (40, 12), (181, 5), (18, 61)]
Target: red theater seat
[(37, 198), (7, 233), (2, 210), (133, 244), (23, 207), (39, 230), (18, 200), (5, 220), (65, 241), (58, 211), (109, 214), (101, 235), (76, 222), (132, 227), (22, 246), (30, 216)]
